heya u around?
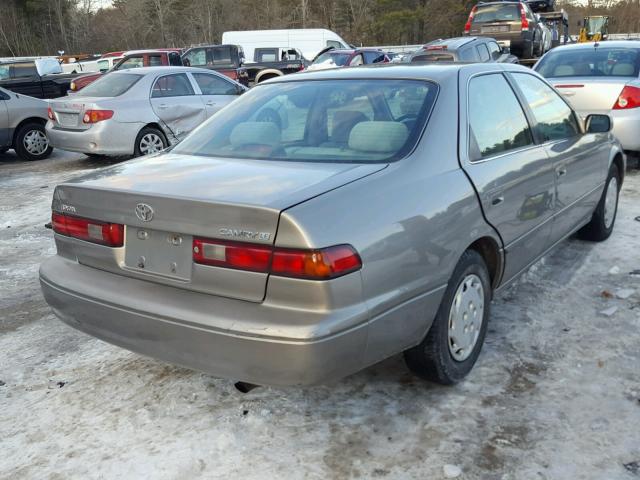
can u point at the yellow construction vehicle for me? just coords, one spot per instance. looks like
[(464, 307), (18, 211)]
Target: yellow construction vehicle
[(594, 29)]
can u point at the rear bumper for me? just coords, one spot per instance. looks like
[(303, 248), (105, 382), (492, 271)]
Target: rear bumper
[(197, 330), (104, 138)]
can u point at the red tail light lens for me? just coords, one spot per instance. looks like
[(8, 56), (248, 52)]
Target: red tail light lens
[(232, 74), (255, 258), (628, 98), (95, 116), (322, 264), (94, 231), (523, 19), (467, 26), (316, 264), (50, 114)]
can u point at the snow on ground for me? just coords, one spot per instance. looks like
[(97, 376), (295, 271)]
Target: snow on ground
[(555, 394)]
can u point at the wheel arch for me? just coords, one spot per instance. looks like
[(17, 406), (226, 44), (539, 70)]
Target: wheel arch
[(619, 161), (22, 123), (268, 73), (489, 249)]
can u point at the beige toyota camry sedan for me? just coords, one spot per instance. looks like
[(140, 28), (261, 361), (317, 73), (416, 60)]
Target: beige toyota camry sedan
[(327, 220)]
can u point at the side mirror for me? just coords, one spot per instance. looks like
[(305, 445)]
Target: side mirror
[(506, 50), (598, 124)]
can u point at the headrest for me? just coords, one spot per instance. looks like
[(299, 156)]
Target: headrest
[(255, 133), (564, 71), (378, 137), (623, 70)]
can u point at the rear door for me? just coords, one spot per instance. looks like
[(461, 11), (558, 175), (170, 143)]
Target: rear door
[(513, 176), (216, 92), (174, 101), (580, 160)]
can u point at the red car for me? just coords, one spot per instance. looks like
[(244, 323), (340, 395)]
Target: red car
[(132, 59)]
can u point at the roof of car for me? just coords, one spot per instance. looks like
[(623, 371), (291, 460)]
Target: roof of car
[(606, 44), (452, 43), (163, 69), (152, 50), (352, 50), (410, 71)]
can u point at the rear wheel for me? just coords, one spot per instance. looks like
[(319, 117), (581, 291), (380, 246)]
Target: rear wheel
[(150, 140), (604, 217), (31, 142), (452, 345)]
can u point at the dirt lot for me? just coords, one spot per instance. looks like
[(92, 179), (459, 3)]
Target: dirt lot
[(555, 395)]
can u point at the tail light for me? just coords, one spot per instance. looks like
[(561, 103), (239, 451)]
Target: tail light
[(233, 74), (50, 114), (94, 231), (95, 116), (322, 264), (72, 86), (523, 19), (467, 26), (628, 98)]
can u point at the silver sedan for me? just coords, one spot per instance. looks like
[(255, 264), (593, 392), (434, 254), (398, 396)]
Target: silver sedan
[(138, 111), (332, 219), (600, 78)]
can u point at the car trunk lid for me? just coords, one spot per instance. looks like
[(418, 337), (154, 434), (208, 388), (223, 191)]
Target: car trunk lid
[(590, 95), (70, 110), (167, 200)]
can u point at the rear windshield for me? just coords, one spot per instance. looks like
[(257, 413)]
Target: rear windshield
[(497, 13), (600, 62), (339, 59), (110, 85), (346, 121)]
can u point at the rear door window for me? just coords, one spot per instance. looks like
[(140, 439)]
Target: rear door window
[(357, 60), (24, 70), (494, 50), (554, 119), (4, 72), (214, 85), (468, 54), (155, 61), (483, 52), (132, 62), (176, 85), (497, 123)]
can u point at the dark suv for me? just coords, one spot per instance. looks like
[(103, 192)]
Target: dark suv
[(512, 24), (464, 49)]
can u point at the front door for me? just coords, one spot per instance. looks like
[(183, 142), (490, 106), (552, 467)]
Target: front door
[(174, 101), (513, 176), (216, 91), (580, 160)]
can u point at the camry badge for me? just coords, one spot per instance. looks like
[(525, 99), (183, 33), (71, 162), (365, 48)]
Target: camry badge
[(144, 212)]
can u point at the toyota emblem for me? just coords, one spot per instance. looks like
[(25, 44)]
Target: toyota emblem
[(144, 212)]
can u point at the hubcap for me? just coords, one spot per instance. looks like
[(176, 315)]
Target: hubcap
[(465, 317), (150, 143), (35, 142), (611, 202)]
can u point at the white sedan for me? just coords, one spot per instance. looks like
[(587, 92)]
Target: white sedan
[(139, 111)]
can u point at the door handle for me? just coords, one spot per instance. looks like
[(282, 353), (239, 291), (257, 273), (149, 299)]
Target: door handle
[(210, 103), (163, 106), (497, 201), (561, 171)]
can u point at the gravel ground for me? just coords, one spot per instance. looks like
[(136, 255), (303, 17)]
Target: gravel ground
[(555, 394)]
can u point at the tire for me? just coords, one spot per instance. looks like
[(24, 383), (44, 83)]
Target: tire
[(604, 216), (148, 141), (434, 358), (31, 142)]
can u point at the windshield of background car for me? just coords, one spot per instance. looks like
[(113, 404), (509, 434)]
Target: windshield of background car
[(111, 85), (596, 62), (339, 59), (497, 13), (347, 121)]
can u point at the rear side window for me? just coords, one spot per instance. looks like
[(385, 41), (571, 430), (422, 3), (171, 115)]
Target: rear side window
[(337, 121), (213, 85), (554, 119), (155, 61), (176, 85), (591, 62), (483, 52), (24, 70), (468, 54), (497, 13), (111, 85), (494, 50), (4, 72), (497, 123), (132, 62)]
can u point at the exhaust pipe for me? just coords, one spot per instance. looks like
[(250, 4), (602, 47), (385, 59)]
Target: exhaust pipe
[(245, 387)]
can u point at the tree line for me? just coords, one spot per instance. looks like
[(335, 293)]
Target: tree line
[(45, 27)]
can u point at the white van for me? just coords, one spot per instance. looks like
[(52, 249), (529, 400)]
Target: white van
[(308, 40)]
